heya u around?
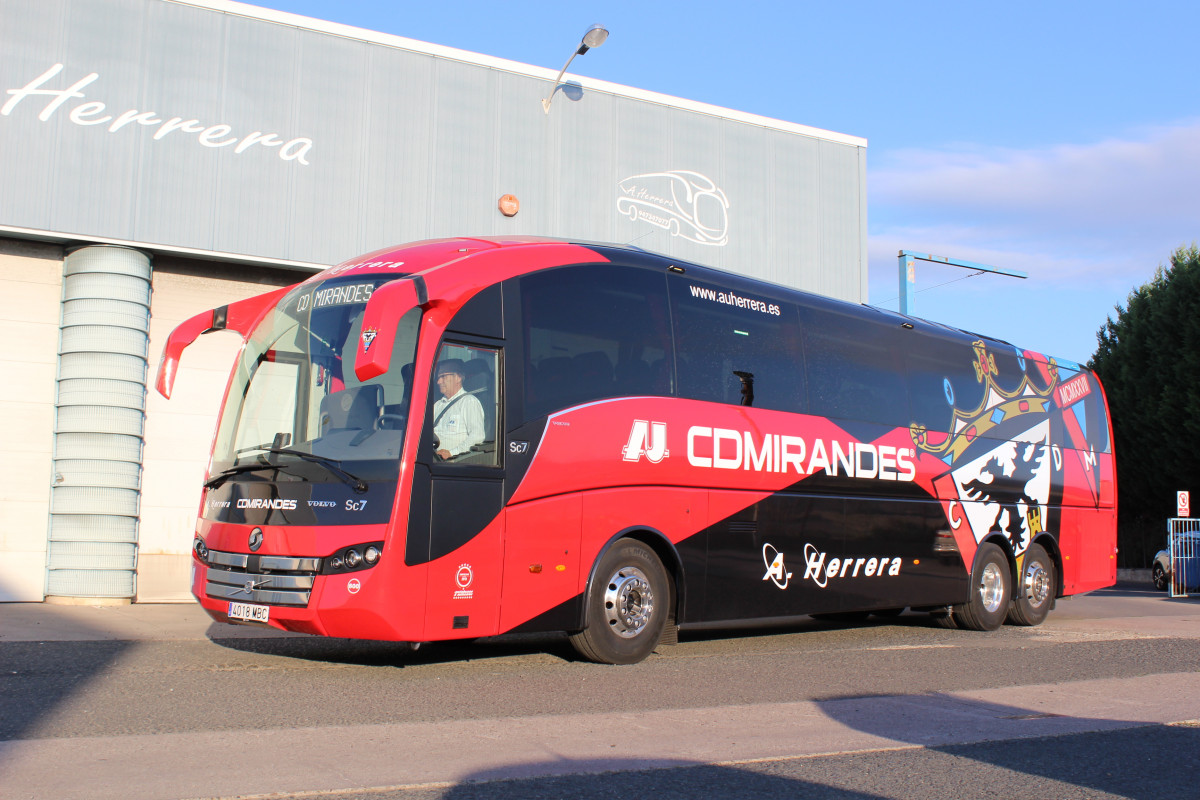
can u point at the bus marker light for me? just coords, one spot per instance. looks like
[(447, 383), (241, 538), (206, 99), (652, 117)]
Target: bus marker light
[(535, 568)]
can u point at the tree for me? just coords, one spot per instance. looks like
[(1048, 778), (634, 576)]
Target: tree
[(1148, 359)]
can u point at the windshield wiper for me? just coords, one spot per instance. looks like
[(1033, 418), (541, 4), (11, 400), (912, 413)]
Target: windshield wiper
[(332, 464), (225, 475)]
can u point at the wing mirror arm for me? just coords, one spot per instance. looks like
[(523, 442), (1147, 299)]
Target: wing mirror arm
[(240, 317)]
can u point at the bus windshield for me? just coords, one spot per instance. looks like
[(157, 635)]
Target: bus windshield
[(296, 411)]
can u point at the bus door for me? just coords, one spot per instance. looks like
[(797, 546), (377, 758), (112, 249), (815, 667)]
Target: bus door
[(455, 520)]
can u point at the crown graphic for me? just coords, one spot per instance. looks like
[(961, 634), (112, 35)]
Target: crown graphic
[(997, 406)]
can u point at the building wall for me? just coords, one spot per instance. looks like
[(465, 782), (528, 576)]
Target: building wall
[(281, 137), (31, 277), (179, 431)]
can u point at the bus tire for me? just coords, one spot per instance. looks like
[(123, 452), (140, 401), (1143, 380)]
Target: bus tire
[(627, 606), (991, 591), (1034, 592)]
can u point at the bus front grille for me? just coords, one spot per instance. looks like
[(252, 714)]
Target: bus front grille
[(269, 580)]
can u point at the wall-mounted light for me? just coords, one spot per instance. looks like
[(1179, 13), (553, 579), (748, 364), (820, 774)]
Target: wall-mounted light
[(595, 36)]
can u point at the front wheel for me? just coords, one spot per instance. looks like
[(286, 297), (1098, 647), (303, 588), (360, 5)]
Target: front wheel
[(627, 606), (1035, 591), (991, 591), (1161, 581)]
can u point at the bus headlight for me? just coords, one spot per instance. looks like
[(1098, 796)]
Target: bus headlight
[(200, 548), (352, 558)]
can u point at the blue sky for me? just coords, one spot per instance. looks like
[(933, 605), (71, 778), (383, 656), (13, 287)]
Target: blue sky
[(1061, 139)]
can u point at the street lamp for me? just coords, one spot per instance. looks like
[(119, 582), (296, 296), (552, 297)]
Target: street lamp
[(594, 37)]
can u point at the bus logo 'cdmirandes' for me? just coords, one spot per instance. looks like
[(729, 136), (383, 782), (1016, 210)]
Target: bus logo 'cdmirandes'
[(721, 448)]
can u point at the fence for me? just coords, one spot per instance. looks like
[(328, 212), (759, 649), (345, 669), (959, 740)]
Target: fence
[(1183, 543)]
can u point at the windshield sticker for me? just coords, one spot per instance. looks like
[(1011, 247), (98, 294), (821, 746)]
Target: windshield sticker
[(350, 294)]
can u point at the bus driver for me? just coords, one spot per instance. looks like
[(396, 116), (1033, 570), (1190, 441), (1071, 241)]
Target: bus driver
[(457, 415)]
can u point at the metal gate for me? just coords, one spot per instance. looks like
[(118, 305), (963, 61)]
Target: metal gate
[(1183, 543)]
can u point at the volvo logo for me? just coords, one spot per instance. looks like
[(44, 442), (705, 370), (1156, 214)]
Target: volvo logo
[(249, 586), (256, 539)]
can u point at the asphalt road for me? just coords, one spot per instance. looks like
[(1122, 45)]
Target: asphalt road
[(1101, 701)]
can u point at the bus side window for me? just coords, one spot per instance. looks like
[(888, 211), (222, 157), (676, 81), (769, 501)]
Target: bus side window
[(942, 378), (466, 406), (855, 371), (593, 332), (736, 347)]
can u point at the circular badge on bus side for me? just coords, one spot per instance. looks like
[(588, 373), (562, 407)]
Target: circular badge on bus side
[(464, 576), (353, 585)]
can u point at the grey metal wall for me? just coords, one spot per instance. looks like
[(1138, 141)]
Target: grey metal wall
[(399, 144)]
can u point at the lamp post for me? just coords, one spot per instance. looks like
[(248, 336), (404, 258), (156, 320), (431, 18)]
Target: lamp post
[(594, 37)]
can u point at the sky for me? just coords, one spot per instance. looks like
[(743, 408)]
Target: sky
[(1056, 138)]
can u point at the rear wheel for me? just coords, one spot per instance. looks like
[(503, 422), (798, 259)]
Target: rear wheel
[(991, 591), (627, 606), (1034, 593)]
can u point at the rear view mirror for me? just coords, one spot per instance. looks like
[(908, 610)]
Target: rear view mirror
[(387, 305)]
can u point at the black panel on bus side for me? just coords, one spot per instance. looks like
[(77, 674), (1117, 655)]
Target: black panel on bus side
[(482, 315), (416, 548), (461, 509)]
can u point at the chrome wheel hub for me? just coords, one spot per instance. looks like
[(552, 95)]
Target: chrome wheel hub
[(628, 602), (991, 588), (1037, 583)]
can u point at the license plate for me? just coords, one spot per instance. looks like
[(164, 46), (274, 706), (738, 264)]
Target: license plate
[(249, 612)]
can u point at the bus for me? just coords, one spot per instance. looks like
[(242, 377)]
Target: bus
[(641, 446)]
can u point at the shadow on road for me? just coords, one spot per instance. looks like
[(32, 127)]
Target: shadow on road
[(681, 780), (555, 645), (1122, 758), (399, 654), (38, 678)]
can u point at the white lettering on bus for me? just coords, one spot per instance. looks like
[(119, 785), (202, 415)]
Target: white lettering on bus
[(819, 571), (731, 299), (1073, 390), (93, 113), (276, 504), (647, 439), (774, 452)]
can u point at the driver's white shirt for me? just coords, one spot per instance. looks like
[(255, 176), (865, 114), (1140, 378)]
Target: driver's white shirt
[(462, 425)]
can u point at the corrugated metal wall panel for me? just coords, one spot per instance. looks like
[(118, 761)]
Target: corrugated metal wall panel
[(329, 95), (255, 207), (463, 156), (522, 155), (795, 164), (178, 177), (839, 191), (394, 194)]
